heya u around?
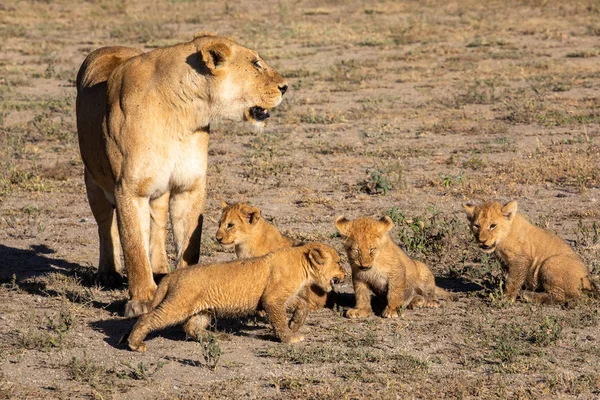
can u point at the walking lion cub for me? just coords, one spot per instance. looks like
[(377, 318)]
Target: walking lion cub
[(192, 295), (243, 226), (380, 266), (534, 257)]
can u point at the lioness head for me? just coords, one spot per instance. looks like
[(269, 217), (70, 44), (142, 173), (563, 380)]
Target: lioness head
[(363, 238), (242, 84), (490, 222), (324, 263), (237, 222)]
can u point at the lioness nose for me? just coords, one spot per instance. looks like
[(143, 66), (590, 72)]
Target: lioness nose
[(283, 89)]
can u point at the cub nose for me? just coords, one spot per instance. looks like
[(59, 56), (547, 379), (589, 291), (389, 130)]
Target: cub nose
[(283, 88)]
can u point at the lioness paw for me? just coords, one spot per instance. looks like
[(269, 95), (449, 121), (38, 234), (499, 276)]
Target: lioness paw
[(110, 279), (292, 338), (139, 347), (357, 313), (135, 308)]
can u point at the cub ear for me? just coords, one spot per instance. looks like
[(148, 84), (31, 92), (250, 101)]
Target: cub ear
[(342, 224), (252, 213), (224, 204), (510, 209), (469, 209), (317, 257), (214, 54), (385, 224)]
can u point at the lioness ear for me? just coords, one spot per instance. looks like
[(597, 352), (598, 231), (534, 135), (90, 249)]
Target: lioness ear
[(469, 209), (342, 224), (214, 54), (252, 213), (385, 224), (317, 257), (510, 209)]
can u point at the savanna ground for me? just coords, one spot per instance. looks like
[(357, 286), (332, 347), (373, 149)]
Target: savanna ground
[(401, 108)]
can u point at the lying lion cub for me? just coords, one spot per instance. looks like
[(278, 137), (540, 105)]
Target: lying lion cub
[(380, 266), (534, 257), (237, 288), (243, 226)]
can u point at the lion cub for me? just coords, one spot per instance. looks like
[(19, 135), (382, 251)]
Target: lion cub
[(192, 295), (534, 257), (380, 266), (242, 225)]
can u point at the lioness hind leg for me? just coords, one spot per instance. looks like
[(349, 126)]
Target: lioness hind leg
[(109, 264), (159, 210), (196, 325), (187, 211)]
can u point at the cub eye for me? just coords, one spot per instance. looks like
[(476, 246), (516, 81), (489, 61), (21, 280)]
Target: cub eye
[(229, 225), (476, 227), (257, 64), (371, 251), (492, 227)]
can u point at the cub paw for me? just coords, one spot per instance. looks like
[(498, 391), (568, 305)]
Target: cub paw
[(357, 313), (135, 308), (389, 313), (139, 347), (293, 338)]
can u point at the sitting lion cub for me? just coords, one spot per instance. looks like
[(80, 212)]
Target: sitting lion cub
[(534, 257), (237, 288), (243, 226), (380, 266)]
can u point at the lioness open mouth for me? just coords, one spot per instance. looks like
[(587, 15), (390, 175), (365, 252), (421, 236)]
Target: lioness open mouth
[(259, 113)]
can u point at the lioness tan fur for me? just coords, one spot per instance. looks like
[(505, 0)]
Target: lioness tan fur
[(534, 257), (380, 266), (143, 121), (242, 225), (236, 288)]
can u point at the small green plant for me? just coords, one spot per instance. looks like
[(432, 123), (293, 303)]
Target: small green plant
[(211, 350), (376, 183), (549, 332)]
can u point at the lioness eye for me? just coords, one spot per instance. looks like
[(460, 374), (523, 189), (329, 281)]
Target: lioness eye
[(229, 225), (492, 226), (257, 64)]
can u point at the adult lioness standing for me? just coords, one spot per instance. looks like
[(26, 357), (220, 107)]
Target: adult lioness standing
[(143, 121)]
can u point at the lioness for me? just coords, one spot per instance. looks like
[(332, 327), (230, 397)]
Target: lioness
[(238, 288), (143, 121), (534, 257), (380, 266), (242, 225)]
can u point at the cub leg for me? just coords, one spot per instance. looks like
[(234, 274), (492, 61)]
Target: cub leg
[(299, 315), (395, 296), (197, 324), (159, 210), (109, 265), (159, 318), (187, 209), (275, 309), (133, 214), (517, 273), (363, 300)]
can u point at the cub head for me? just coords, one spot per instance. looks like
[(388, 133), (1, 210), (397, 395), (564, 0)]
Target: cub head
[(325, 266), (363, 238), (237, 223), (242, 84), (490, 222)]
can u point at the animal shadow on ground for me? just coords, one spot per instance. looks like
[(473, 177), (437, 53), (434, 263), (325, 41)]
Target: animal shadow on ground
[(25, 266), (117, 329)]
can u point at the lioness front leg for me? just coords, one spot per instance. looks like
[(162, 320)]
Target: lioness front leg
[(362, 293), (187, 209), (133, 214), (275, 310)]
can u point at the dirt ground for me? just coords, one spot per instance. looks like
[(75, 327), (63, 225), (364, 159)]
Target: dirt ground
[(399, 108)]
